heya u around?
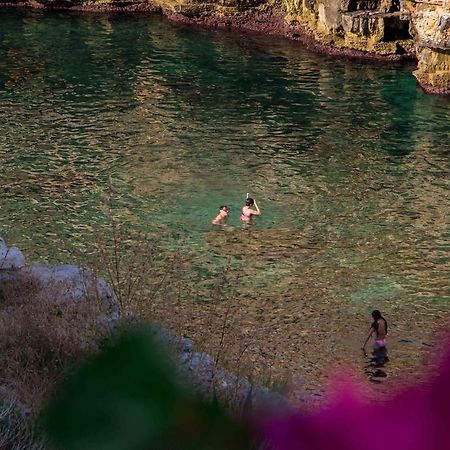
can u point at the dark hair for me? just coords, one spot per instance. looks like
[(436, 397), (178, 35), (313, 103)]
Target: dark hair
[(224, 207), (249, 201), (376, 317), (376, 314)]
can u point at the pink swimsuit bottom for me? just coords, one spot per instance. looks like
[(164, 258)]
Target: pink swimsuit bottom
[(381, 342)]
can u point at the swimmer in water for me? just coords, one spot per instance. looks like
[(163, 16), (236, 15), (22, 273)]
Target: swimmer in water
[(222, 217), (247, 211), (378, 330)]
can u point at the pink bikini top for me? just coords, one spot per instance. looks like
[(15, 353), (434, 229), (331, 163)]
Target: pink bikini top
[(245, 213)]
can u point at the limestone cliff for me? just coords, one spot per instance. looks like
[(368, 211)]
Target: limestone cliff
[(430, 26), (384, 29)]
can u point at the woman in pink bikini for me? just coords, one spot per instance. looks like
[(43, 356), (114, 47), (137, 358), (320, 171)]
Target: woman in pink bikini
[(247, 211), (378, 330)]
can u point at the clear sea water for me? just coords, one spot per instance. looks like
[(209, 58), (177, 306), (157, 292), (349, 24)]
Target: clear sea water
[(349, 160)]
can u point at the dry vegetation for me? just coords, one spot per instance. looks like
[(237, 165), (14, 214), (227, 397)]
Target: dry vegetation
[(17, 431), (40, 339)]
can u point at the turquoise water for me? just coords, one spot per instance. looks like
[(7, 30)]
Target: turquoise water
[(348, 160)]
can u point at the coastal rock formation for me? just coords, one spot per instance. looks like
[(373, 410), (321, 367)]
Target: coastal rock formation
[(209, 379), (64, 283), (376, 27), (10, 257), (430, 25), (212, 380), (380, 29)]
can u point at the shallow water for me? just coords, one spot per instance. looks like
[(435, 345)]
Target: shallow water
[(348, 160)]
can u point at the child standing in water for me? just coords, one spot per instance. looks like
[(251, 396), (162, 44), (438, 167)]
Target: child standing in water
[(247, 211), (378, 330), (222, 217)]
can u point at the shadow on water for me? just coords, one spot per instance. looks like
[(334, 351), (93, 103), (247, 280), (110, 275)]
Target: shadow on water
[(375, 364)]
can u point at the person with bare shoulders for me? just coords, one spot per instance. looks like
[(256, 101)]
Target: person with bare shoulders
[(249, 210), (378, 330), (222, 217)]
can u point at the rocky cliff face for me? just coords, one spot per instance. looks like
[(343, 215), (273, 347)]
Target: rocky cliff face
[(383, 29), (388, 29), (430, 26), (377, 27)]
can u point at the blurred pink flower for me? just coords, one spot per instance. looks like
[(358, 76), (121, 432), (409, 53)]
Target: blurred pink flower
[(417, 418)]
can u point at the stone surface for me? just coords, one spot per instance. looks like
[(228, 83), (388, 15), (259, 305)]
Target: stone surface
[(10, 257), (63, 283), (430, 26), (212, 380)]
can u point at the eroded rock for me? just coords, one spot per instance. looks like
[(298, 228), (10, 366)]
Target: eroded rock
[(430, 25), (59, 283)]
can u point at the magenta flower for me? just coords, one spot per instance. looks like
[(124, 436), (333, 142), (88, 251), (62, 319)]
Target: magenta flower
[(417, 418)]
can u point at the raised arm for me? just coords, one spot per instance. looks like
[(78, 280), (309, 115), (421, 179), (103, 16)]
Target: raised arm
[(258, 211)]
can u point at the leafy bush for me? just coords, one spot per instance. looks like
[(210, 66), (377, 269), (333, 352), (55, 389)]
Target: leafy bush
[(128, 397)]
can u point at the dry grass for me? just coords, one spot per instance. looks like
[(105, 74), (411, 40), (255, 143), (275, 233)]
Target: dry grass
[(17, 431), (41, 337)]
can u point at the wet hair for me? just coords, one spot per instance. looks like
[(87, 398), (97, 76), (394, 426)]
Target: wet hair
[(224, 207), (249, 201), (376, 317), (376, 314)]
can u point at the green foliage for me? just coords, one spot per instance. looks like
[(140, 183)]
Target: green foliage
[(128, 397)]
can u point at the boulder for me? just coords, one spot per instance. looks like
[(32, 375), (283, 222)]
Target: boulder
[(60, 283), (430, 25), (10, 257), (212, 380)]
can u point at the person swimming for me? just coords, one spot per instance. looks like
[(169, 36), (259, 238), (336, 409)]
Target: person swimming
[(378, 330), (222, 217), (247, 211)]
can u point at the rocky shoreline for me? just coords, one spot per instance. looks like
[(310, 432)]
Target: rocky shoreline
[(266, 21), (260, 21), (386, 32), (74, 286)]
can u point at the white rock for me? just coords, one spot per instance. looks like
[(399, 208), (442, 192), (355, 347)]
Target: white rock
[(64, 283), (10, 257)]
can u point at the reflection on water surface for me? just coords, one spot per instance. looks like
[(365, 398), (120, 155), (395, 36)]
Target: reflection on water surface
[(348, 161)]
